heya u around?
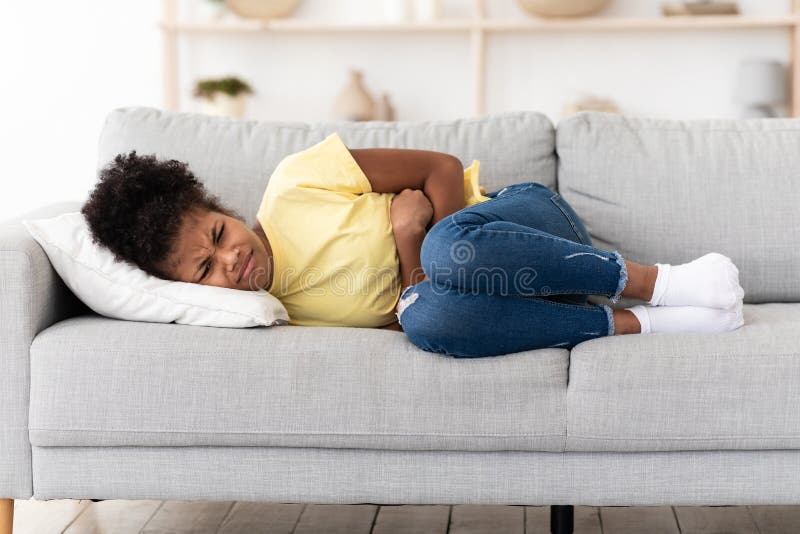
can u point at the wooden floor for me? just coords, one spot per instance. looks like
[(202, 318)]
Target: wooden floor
[(229, 517)]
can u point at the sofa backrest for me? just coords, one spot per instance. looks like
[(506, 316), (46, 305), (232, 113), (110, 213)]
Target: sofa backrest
[(235, 158), (669, 191)]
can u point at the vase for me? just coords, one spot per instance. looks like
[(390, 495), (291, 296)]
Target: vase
[(383, 109), (354, 102), (224, 105)]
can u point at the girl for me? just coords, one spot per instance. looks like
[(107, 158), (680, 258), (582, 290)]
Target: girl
[(404, 239)]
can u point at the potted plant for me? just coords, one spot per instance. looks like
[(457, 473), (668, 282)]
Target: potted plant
[(222, 96)]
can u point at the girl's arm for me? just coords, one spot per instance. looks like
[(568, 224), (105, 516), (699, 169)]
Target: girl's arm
[(409, 244), (410, 213), (439, 175)]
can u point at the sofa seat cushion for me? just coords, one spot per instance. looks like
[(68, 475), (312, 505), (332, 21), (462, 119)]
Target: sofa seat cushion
[(669, 392), (97, 381)]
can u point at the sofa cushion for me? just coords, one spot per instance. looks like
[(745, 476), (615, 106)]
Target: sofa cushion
[(97, 381), (235, 158), (664, 392), (669, 191)]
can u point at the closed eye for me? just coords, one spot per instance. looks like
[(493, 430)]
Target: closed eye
[(208, 262)]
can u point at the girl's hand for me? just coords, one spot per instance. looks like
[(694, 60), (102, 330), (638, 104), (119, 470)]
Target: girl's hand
[(411, 211)]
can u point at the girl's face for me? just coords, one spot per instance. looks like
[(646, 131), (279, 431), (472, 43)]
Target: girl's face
[(218, 250)]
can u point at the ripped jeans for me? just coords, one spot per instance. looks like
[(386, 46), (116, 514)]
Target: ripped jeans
[(510, 274)]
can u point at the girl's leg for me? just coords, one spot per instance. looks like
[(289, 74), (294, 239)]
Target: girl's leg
[(518, 247), (461, 323), (574, 231), (525, 241)]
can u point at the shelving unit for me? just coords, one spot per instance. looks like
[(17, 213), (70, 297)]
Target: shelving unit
[(478, 27)]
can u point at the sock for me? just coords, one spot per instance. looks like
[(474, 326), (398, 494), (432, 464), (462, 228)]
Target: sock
[(641, 315), (655, 319), (711, 281)]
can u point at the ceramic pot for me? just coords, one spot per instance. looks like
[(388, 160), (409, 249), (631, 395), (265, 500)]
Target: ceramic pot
[(562, 8), (383, 109), (224, 105), (354, 102)]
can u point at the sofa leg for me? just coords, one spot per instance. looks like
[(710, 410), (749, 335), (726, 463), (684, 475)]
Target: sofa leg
[(6, 516), (561, 518)]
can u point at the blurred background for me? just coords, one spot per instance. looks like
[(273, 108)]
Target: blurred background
[(67, 64)]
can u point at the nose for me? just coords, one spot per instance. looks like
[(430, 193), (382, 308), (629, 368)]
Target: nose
[(231, 258)]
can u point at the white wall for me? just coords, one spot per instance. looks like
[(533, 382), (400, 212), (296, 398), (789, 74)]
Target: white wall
[(61, 73), (64, 65)]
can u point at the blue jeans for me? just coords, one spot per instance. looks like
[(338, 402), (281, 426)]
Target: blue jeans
[(510, 274)]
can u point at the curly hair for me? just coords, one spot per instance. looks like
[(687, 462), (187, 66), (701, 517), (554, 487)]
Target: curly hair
[(137, 207)]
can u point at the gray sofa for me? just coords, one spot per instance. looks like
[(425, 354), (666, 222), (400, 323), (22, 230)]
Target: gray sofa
[(93, 407)]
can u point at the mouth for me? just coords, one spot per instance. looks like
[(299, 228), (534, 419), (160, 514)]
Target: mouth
[(246, 266)]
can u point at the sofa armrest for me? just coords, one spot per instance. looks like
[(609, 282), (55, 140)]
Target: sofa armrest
[(32, 297)]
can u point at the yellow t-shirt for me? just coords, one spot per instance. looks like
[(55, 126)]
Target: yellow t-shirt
[(334, 256)]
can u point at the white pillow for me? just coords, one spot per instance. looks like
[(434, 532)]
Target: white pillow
[(123, 291)]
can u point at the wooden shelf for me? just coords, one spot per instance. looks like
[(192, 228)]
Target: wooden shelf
[(639, 24), (466, 25), (477, 28), (297, 25)]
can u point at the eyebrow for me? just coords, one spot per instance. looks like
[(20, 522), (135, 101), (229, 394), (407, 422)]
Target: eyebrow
[(204, 260)]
